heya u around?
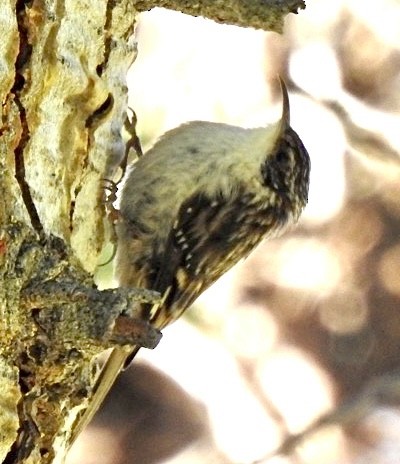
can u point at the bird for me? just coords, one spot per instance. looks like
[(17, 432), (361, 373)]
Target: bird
[(200, 200)]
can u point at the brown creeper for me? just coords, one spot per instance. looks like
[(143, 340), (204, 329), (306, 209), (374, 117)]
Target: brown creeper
[(199, 201)]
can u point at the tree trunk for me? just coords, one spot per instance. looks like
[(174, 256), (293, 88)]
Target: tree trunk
[(63, 89)]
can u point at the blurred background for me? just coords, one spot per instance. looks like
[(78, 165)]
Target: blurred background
[(297, 349)]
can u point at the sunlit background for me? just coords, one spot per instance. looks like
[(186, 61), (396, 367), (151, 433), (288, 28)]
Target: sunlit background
[(308, 327)]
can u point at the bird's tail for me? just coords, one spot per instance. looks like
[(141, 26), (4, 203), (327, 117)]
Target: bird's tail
[(112, 367), (119, 359)]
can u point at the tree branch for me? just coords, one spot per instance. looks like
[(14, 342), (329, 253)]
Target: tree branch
[(260, 14)]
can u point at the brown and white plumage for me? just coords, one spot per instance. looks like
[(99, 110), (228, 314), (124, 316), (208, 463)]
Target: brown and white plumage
[(199, 201)]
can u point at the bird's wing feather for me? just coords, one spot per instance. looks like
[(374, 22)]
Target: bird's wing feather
[(208, 237)]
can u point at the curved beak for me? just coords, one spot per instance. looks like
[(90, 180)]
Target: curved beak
[(285, 118)]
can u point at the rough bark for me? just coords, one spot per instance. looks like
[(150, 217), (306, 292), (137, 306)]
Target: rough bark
[(260, 14), (63, 66)]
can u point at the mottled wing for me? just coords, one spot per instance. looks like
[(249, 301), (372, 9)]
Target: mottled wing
[(209, 236)]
